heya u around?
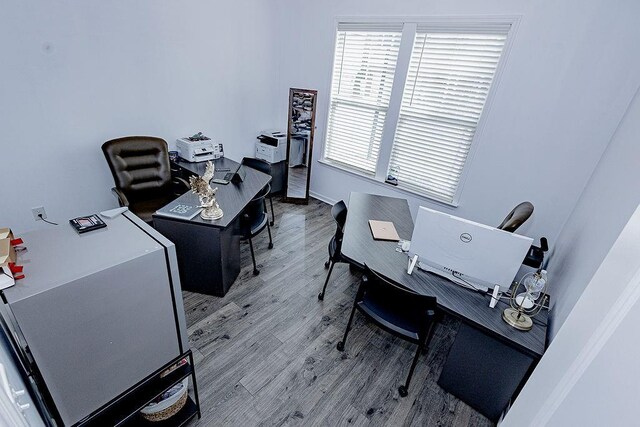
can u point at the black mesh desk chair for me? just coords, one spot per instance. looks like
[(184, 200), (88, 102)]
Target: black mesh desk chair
[(264, 167), (339, 213), (397, 310), (255, 219)]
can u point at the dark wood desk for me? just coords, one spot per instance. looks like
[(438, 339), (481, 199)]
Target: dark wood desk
[(208, 252), (489, 361)]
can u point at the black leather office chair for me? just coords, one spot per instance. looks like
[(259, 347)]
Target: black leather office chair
[(516, 217), (339, 213), (406, 314), (254, 219), (513, 221), (141, 171), (264, 167)]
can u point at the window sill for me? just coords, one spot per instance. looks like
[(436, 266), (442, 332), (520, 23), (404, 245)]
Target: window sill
[(383, 184)]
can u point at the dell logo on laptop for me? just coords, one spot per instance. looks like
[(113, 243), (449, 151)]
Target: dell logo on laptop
[(466, 237)]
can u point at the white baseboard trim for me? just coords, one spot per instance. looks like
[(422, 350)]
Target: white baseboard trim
[(322, 198)]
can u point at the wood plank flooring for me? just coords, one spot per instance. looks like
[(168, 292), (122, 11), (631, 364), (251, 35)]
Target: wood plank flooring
[(265, 353)]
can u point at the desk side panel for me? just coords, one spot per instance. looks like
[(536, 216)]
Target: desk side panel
[(173, 272), (484, 372), (200, 250)]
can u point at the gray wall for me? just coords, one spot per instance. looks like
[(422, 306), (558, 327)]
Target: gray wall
[(565, 85), (77, 73), (609, 199), (589, 376)]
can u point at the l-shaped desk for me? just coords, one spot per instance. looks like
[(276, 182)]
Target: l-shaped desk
[(489, 361)]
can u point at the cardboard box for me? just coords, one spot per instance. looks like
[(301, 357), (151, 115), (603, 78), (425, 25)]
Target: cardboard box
[(7, 256), (5, 233), (7, 253)]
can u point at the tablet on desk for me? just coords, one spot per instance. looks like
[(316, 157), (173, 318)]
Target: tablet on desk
[(236, 175), (383, 230)]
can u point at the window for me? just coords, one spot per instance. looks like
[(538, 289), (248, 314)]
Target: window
[(364, 66), (447, 73)]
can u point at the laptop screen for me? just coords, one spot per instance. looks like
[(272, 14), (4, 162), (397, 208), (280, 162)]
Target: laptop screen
[(482, 253)]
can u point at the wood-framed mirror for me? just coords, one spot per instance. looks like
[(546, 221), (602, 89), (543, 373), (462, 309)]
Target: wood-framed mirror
[(300, 132)]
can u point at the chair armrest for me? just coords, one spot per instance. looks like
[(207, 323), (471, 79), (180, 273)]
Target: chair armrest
[(122, 199), (180, 182), (362, 288), (245, 227)]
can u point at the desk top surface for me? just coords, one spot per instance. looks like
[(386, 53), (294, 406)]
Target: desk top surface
[(471, 307), (232, 198)]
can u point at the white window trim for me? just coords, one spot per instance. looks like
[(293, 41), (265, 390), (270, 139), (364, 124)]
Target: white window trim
[(404, 55)]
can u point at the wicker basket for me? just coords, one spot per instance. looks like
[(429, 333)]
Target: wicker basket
[(170, 411)]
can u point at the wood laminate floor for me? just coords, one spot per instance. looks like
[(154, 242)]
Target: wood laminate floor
[(265, 353)]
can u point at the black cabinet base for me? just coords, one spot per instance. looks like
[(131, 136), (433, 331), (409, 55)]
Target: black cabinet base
[(182, 417), (484, 372), (124, 410), (208, 257)]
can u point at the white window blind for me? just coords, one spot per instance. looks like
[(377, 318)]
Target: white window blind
[(449, 76), (363, 71)]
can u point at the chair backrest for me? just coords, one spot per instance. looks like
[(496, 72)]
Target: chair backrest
[(139, 164), (339, 214), (516, 217), (415, 305), (256, 210), (257, 164)]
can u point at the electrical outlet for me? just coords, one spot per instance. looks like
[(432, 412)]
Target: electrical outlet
[(39, 213)]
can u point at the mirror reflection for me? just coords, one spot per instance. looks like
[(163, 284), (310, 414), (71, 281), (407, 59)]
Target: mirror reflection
[(302, 103)]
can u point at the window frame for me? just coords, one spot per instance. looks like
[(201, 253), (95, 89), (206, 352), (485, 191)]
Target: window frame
[(410, 26)]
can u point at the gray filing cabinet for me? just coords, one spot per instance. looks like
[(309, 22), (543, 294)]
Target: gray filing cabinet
[(98, 312)]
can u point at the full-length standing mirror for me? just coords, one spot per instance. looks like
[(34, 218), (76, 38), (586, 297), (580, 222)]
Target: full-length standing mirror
[(302, 118)]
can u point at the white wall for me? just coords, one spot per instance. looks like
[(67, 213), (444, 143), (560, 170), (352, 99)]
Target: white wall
[(590, 376), (604, 208), (77, 73), (566, 84)]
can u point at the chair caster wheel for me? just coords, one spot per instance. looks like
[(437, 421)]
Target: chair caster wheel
[(326, 264), (271, 223), (256, 272), (321, 296), (340, 346), (270, 245), (403, 391)]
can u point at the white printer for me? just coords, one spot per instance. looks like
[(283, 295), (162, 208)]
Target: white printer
[(272, 146), (198, 151)]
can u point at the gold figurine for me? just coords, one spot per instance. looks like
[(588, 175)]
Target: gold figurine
[(207, 195)]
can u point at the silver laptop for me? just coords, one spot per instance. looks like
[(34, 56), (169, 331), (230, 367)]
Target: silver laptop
[(469, 253)]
